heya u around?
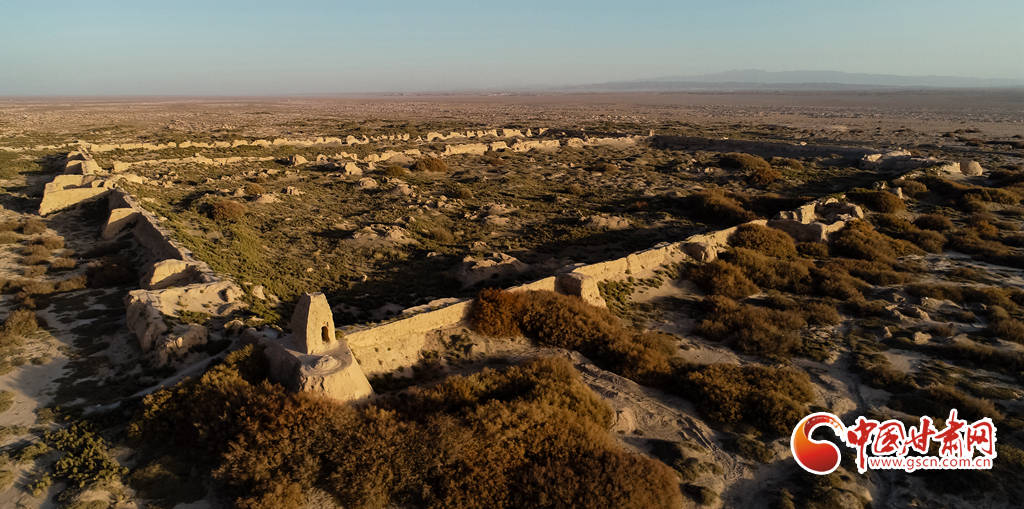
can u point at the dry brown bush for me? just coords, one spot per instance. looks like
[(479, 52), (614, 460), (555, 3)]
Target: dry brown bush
[(750, 328), (568, 322), (741, 161), (880, 201), (714, 207), (767, 241), (934, 222), (791, 275), (913, 188), (762, 177), (1009, 329), (526, 436), (770, 399), (605, 167), (33, 226), (63, 263), (72, 283), (788, 162), (19, 323), (813, 249), (859, 240), (227, 210), (899, 227), (7, 237), (719, 277), (430, 164), (394, 170), (50, 242), (254, 189)]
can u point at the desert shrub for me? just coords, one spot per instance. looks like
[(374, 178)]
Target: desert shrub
[(1009, 329), (750, 328), (19, 323), (33, 226), (525, 436), (741, 161), (253, 188), (762, 177), (605, 167), (813, 249), (430, 164), (767, 241), (719, 277), (899, 227), (791, 275), (913, 188), (6, 401), (837, 283), (72, 283), (394, 170), (36, 250), (568, 322), (8, 225), (859, 240), (991, 195), (460, 191), (85, 459), (934, 222), (63, 263), (8, 237), (714, 207), (50, 242), (876, 273), (880, 201), (788, 162), (35, 259), (769, 399), (227, 210)]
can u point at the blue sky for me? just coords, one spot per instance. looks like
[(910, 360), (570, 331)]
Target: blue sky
[(283, 47)]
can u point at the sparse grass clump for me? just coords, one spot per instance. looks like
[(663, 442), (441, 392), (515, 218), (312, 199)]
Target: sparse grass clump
[(227, 210), (431, 165)]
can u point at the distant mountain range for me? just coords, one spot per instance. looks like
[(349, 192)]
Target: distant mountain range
[(754, 79)]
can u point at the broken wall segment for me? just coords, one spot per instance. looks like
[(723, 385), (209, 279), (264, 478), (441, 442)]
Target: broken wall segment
[(312, 358)]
